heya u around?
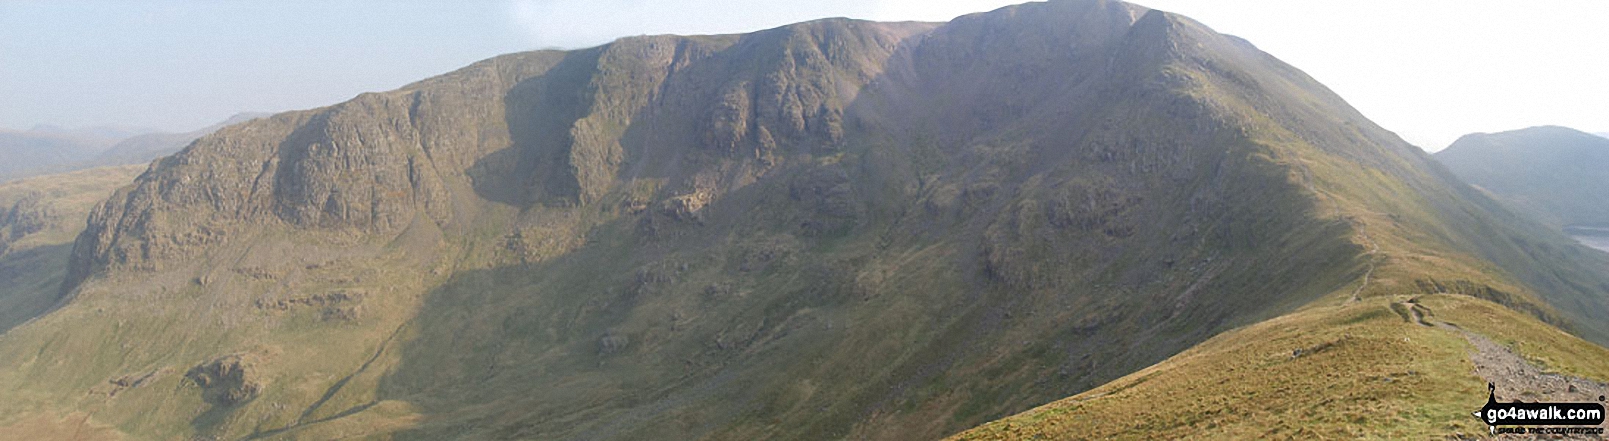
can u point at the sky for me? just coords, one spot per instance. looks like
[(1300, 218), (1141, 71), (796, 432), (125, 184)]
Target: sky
[(1430, 70)]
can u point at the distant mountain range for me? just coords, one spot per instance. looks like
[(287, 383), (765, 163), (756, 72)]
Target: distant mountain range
[(146, 147), (46, 150), (49, 149), (91, 134), (1558, 174)]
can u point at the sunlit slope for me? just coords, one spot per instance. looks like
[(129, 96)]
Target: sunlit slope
[(1353, 363), (1356, 370)]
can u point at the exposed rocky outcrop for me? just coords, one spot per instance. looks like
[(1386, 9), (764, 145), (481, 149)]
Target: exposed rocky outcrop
[(335, 298), (368, 166), (28, 215), (541, 127), (123, 383), (226, 381)]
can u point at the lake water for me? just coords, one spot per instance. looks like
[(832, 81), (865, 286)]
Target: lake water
[(1599, 242)]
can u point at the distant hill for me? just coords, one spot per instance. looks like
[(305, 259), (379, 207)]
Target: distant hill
[(48, 149), (101, 133), (1558, 174), (45, 150), (144, 148)]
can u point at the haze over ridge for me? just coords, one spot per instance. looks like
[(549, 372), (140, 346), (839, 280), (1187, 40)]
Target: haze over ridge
[(1505, 65)]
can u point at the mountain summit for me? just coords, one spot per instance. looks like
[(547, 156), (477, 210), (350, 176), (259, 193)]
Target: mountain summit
[(1558, 174), (833, 229)]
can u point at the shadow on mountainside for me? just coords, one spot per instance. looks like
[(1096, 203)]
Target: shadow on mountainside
[(909, 287), (36, 289), (539, 113)]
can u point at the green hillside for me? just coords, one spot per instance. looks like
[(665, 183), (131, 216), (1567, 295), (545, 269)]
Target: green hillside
[(39, 218), (1356, 370), (1554, 173)]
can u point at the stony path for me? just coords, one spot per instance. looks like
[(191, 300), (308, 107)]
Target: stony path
[(1519, 379), (1374, 250)]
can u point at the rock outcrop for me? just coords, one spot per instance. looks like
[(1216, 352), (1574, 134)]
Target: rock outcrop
[(227, 381), (534, 128), (28, 215)]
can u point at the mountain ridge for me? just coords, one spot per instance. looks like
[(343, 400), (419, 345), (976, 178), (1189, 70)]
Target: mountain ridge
[(26, 150), (144, 148), (1545, 170), (46, 150)]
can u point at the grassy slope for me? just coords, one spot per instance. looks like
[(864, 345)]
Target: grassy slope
[(781, 290), (158, 327), (1374, 375), (1366, 373), (33, 264), (932, 339)]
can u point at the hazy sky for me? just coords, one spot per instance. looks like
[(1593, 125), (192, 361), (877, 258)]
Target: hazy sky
[(1429, 70)]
